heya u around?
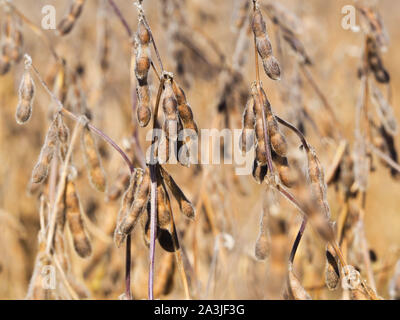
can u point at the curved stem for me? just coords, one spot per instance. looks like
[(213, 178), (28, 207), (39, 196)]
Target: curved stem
[(297, 240)]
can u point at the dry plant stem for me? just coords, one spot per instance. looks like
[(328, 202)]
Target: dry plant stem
[(61, 186), (297, 240), (153, 196), (70, 290)]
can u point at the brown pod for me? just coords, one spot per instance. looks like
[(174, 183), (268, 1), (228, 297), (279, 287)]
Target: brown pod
[(143, 34), (184, 111), (67, 23), (258, 24), (286, 175), (141, 197), (185, 205), (169, 102), (40, 171), (63, 137), (259, 171), (248, 123), (277, 139), (264, 47), (75, 222), (26, 97), (332, 273), (143, 109), (272, 68), (93, 161), (261, 147), (126, 203), (143, 63), (317, 181)]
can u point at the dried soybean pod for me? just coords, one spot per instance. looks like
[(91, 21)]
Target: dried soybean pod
[(169, 102), (126, 203), (63, 137), (26, 95), (263, 44), (261, 147), (41, 169), (295, 290), (259, 171), (277, 139), (143, 53), (93, 161), (143, 111), (263, 244), (332, 273), (184, 110), (141, 197), (75, 221), (165, 275), (248, 123), (163, 212), (170, 127), (317, 180), (185, 205), (67, 23), (286, 175)]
